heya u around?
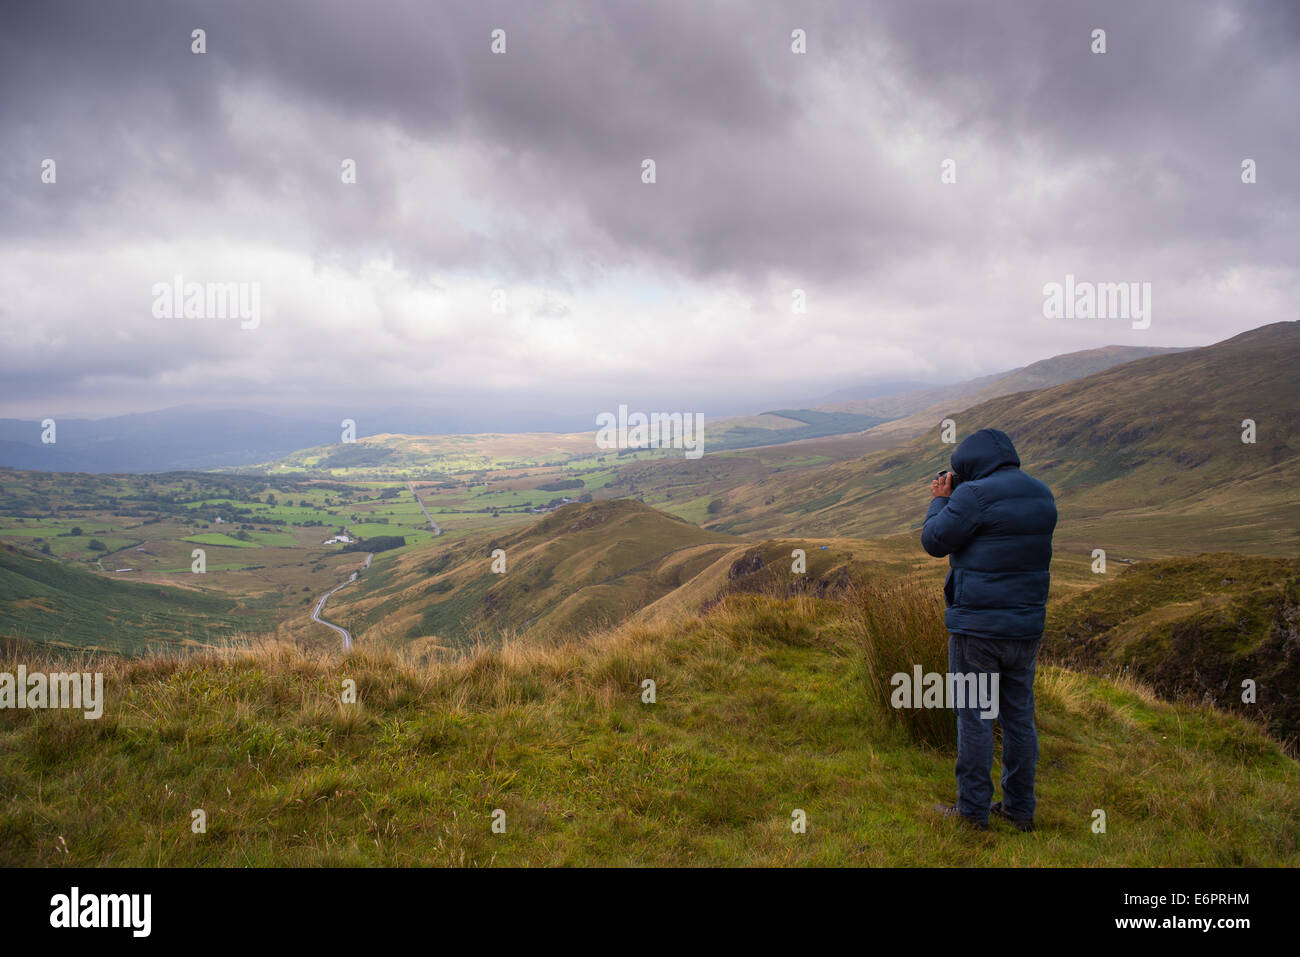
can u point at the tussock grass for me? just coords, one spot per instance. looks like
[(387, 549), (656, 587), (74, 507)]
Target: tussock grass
[(762, 707), (900, 624)]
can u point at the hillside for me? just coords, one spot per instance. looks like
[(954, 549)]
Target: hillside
[(684, 488), (165, 440), (1145, 458), (397, 455), (936, 401), (862, 424), (56, 604), (581, 567), (762, 707), (584, 567), (1194, 629), (434, 456)]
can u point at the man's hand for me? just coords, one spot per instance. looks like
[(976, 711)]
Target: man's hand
[(941, 488)]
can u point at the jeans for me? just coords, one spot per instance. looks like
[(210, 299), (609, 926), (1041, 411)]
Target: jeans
[(1013, 660)]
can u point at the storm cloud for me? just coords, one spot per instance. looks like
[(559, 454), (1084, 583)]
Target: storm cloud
[(499, 251)]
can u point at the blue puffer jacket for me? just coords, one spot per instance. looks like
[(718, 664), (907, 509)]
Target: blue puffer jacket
[(996, 529)]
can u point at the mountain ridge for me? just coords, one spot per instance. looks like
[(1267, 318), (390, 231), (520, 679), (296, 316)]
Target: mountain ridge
[(1151, 436)]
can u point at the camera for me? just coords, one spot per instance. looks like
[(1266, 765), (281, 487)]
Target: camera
[(956, 480)]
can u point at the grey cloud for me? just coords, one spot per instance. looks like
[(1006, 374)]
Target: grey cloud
[(525, 168)]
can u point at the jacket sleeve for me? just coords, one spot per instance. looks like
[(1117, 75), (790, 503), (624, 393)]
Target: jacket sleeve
[(951, 522)]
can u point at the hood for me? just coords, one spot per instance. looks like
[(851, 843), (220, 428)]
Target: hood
[(982, 453)]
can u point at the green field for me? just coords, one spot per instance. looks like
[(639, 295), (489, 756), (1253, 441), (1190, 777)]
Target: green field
[(219, 538), (48, 603)]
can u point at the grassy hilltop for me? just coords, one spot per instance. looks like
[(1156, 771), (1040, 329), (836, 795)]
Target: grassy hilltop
[(764, 706)]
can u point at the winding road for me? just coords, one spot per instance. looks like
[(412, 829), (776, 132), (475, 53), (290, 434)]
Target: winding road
[(320, 607)]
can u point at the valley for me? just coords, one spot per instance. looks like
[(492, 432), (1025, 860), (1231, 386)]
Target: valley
[(1144, 462), (500, 601)]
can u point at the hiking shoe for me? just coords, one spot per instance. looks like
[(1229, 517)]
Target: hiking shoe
[(950, 810), (1019, 823)]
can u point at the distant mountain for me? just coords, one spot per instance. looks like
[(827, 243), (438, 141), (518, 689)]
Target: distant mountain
[(871, 390), (902, 409), (908, 408), (1037, 375), (167, 440), (188, 438), (1148, 455)]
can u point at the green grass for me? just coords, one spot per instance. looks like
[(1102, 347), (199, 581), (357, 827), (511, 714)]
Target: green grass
[(763, 707), (273, 539), (220, 538), (49, 602), (695, 510), (372, 529)]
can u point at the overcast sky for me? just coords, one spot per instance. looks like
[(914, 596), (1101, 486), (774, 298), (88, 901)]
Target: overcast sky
[(522, 172)]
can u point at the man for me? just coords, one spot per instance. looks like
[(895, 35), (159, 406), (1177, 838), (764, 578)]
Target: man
[(996, 527)]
